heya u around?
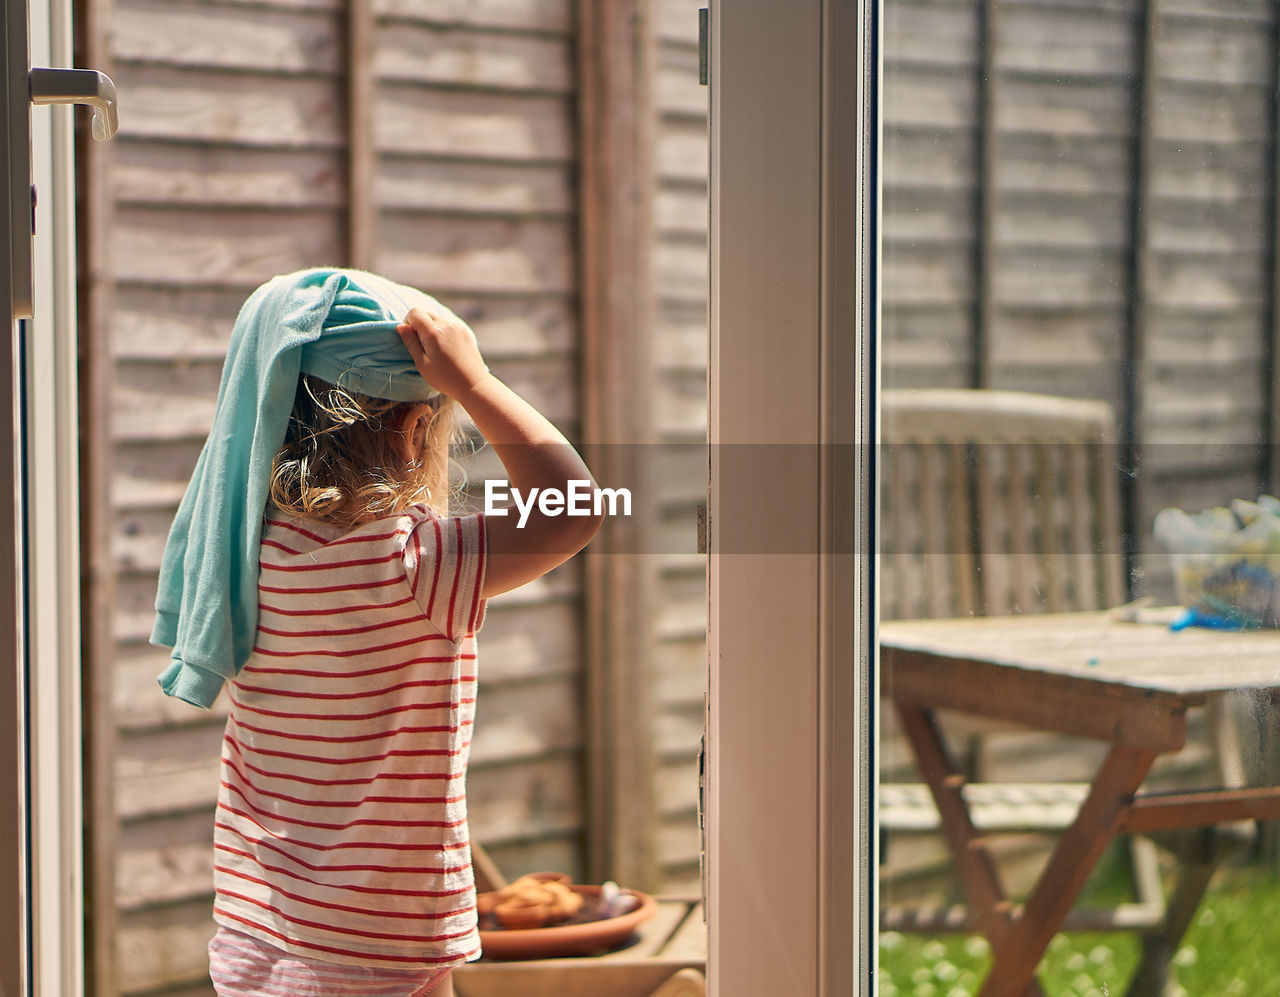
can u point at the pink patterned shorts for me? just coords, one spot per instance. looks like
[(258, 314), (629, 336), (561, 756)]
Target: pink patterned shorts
[(243, 966)]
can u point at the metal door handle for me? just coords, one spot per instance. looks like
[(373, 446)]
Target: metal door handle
[(79, 86)]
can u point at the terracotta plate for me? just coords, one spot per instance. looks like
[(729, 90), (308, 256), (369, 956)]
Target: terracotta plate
[(574, 938)]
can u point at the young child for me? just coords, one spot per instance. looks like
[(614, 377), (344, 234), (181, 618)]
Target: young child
[(342, 862)]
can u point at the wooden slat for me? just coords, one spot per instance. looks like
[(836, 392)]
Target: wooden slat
[(362, 156), (475, 255), (1060, 704), (426, 120), (1176, 810), (675, 22), (680, 152), (676, 87), (615, 66), (449, 56), (253, 109), (165, 946), (95, 306), (524, 799), (225, 247), (220, 36), (930, 34), (167, 771), (180, 323), (1065, 43), (550, 16), (166, 861), (930, 100), (157, 172), (447, 186)]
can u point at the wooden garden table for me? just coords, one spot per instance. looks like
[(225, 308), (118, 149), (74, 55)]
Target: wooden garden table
[(1095, 675)]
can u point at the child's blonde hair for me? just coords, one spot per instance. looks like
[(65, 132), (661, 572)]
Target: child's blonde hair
[(338, 465)]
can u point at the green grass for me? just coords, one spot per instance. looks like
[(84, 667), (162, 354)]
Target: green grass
[(1232, 947)]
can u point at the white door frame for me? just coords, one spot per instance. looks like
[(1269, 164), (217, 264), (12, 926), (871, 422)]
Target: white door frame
[(42, 883), (794, 203), (52, 541), (14, 146)]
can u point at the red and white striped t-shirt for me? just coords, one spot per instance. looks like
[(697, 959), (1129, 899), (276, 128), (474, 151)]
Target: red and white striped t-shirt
[(341, 830)]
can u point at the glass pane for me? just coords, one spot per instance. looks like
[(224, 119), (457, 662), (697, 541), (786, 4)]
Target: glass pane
[(1079, 331)]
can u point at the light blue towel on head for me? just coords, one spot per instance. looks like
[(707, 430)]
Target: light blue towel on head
[(339, 325)]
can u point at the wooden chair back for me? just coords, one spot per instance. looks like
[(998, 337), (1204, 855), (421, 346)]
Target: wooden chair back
[(996, 502)]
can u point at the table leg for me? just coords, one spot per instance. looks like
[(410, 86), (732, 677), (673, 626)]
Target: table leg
[(974, 864), (1016, 955)]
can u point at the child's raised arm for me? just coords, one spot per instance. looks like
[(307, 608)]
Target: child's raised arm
[(533, 452)]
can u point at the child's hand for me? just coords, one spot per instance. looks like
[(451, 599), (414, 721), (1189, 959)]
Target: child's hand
[(444, 351)]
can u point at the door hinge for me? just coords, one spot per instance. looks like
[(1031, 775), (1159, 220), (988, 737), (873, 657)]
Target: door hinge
[(704, 45), (703, 532)]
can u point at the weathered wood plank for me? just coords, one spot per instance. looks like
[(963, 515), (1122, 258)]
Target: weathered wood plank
[(1217, 116), (167, 771), (679, 841), (165, 946), (675, 22), (681, 339), (931, 34), (281, 4), (551, 16), (1187, 282), (1235, 173), (183, 324), (526, 720), (680, 211), (219, 36), (681, 670), (243, 108), (449, 186), (178, 324), (927, 277), (1047, 221), (514, 256), (676, 87), (147, 172), (1031, 277), (1063, 42), (680, 269), (165, 402), (676, 788), (681, 149), (680, 405), (165, 860), (240, 247), (461, 57), (1045, 107), (560, 853), (929, 158), (1236, 228), (1093, 166), (524, 799), (679, 473), (941, 97), (417, 119), (1232, 54)]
